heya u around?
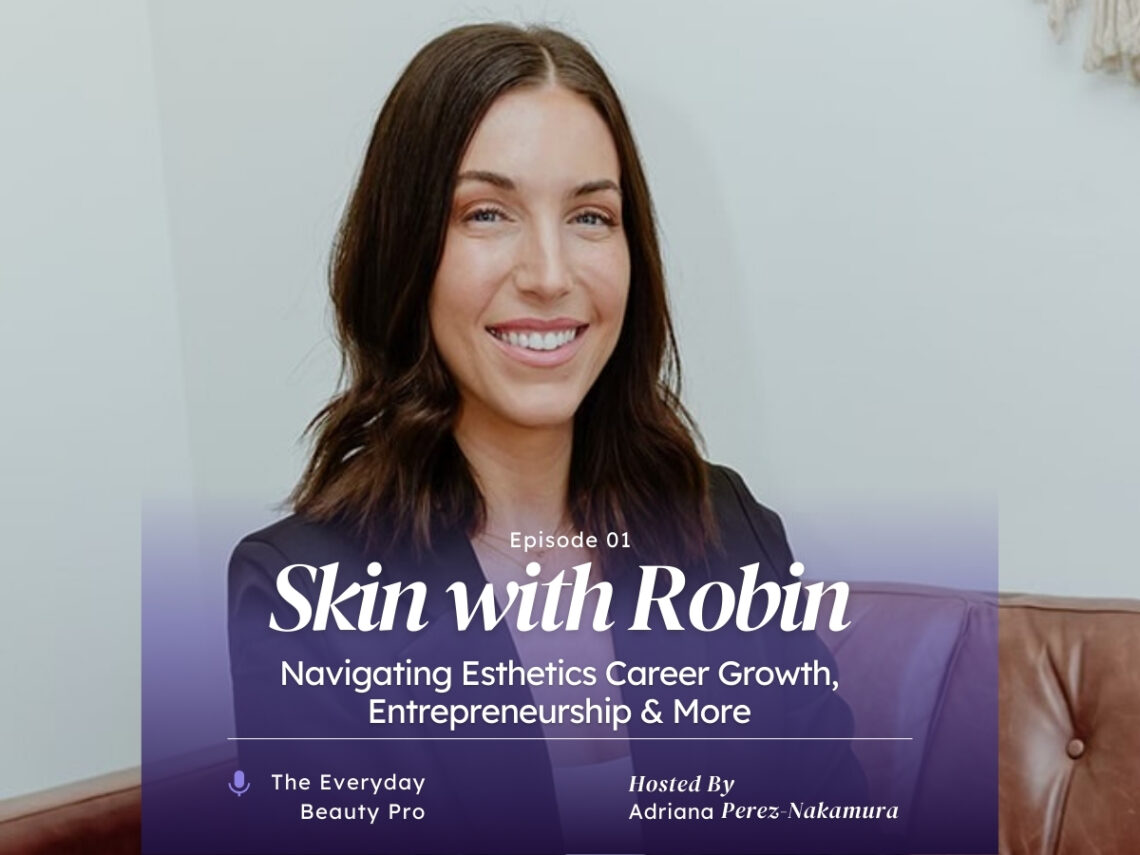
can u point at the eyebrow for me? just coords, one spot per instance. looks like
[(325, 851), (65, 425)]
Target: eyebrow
[(504, 183)]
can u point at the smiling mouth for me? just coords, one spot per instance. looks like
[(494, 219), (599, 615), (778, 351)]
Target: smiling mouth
[(538, 340)]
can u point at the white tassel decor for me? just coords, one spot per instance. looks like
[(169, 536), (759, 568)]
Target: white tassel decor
[(1115, 41)]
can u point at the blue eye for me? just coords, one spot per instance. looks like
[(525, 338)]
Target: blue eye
[(594, 218), (484, 215)]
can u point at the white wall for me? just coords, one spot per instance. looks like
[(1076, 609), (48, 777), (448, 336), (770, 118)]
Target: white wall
[(82, 253), (901, 240)]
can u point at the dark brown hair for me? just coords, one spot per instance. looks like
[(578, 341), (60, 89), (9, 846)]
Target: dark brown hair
[(384, 456)]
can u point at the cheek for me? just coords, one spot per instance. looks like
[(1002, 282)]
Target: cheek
[(466, 281), (611, 276), (456, 297), (449, 317)]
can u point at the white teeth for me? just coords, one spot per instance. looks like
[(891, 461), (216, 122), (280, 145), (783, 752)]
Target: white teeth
[(537, 340)]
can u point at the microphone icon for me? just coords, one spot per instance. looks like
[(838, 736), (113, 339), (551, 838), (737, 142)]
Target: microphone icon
[(239, 786)]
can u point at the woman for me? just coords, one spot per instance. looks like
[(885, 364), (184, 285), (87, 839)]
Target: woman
[(510, 369)]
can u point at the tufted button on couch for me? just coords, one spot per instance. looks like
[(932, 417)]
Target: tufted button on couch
[(1068, 686), (1068, 692), (1070, 726)]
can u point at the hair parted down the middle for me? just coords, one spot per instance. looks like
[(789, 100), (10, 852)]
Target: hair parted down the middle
[(384, 457)]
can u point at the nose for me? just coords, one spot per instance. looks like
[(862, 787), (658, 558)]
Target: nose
[(543, 270)]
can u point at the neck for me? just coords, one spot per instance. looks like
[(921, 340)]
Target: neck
[(523, 473)]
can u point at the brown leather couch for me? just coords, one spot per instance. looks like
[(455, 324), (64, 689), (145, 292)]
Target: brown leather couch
[(101, 815), (1069, 724), (1068, 683)]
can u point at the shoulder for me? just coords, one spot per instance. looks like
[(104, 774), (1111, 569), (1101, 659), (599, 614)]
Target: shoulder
[(732, 499), (298, 537), (744, 523), (295, 539)]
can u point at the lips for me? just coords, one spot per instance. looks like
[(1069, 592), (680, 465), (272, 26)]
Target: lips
[(536, 339), (541, 343)]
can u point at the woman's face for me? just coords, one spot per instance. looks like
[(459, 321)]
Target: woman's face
[(530, 293)]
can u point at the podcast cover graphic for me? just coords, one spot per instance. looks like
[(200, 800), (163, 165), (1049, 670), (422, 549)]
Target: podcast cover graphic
[(389, 701), (510, 599)]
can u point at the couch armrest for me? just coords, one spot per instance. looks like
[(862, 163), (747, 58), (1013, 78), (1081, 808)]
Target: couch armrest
[(102, 816)]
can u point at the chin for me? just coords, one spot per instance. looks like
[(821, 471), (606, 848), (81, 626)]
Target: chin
[(541, 414), (535, 405), (541, 418)]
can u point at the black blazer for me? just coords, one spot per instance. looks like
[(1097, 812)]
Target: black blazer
[(495, 795)]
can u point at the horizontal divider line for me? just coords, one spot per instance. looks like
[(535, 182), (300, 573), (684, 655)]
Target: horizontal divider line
[(569, 738)]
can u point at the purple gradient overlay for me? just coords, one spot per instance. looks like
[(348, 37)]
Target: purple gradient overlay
[(897, 731)]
